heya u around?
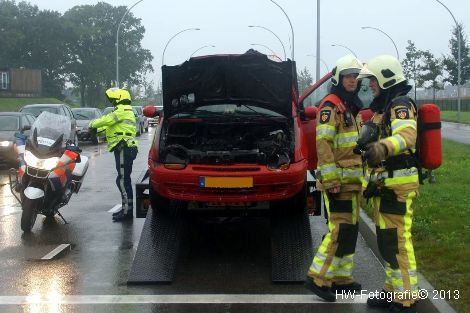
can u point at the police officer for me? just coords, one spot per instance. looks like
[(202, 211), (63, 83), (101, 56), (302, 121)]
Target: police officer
[(340, 177), (393, 180), (120, 133)]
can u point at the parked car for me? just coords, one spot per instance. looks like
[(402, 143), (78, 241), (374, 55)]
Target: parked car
[(231, 135), (60, 109), (154, 120), (84, 116), (11, 123), (108, 110), (142, 119)]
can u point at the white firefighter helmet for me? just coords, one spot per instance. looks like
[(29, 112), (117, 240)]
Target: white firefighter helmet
[(386, 69), (348, 64)]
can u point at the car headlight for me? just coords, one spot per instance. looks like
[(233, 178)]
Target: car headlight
[(6, 143), (42, 164)]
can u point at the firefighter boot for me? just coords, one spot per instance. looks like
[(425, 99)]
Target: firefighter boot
[(399, 308), (352, 287), (323, 292), (382, 300), (122, 216)]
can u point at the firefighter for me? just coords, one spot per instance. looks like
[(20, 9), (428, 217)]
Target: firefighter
[(393, 180), (340, 177), (120, 133)]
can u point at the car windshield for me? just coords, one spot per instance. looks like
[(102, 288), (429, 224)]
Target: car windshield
[(38, 110), (230, 110), (83, 114), (9, 122)]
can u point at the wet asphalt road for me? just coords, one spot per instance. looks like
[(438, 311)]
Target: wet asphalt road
[(223, 268), (456, 132)]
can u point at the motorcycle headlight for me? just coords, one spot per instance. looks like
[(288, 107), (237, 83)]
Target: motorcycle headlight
[(42, 164), (6, 143)]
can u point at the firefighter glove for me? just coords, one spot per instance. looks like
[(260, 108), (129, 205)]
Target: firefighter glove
[(376, 152)]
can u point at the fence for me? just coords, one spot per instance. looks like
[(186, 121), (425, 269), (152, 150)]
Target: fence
[(449, 104)]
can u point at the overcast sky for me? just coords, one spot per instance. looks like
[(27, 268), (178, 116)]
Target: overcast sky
[(223, 23)]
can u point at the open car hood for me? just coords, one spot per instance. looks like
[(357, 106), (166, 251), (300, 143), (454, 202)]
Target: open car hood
[(249, 78)]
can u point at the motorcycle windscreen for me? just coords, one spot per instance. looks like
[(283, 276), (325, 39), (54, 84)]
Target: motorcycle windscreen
[(49, 134)]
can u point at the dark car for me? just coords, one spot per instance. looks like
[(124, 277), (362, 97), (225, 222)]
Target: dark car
[(84, 116), (60, 109), (11, 123), (232, 134)]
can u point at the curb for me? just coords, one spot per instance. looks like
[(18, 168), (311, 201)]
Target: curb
[(429, 305)]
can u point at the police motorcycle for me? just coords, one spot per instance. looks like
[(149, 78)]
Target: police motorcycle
[(51, 169)]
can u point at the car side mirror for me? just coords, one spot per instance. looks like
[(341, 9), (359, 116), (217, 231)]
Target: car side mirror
[(150, 111), (311, 112)]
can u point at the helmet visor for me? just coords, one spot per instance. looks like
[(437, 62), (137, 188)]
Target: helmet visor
[(350, 71)]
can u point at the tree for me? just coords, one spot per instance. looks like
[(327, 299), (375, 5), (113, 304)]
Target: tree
[(412, 63), (451, 61), (34, 39), (432, 73), (304, 80), (92, 49)]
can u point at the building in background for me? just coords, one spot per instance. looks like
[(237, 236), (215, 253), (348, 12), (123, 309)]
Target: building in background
[(20, 83)]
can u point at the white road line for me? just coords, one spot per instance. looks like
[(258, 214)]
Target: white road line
[(116, 208), (11, 213), (177, 299), (56, 251)]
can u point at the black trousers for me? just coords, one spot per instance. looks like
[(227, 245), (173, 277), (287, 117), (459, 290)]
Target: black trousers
[(124, 157)]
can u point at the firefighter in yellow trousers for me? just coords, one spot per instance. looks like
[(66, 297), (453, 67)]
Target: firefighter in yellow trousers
[(393, 181), (340, 177)]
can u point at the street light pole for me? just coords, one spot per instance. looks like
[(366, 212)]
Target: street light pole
[(459, 64), (320, 59), (258, 44), (291, 27), (212, 46), (317, 70), (377, 29), (272, 51), (169, 40), (343, 46), (117, 41), (265, 28)]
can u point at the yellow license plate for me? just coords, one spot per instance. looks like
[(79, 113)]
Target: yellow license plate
[(225, 182)]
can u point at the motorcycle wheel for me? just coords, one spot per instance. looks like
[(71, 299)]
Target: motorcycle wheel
[(30, 212)]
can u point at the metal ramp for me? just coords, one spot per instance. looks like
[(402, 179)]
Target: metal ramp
[(291, 246), (160, 242), (159, 245)]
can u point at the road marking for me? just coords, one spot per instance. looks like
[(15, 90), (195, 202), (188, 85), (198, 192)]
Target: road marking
[(176, 299), (116, 208), (9, 210), (56, 251)]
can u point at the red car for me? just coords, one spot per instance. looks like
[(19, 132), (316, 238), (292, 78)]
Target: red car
[(231, 134)]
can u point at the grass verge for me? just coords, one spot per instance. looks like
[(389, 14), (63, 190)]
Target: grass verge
[(14, 104), (451, 116), (442, 225)]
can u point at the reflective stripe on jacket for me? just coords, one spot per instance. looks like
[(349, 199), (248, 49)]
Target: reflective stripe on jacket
[(336, 137), (120, 125)]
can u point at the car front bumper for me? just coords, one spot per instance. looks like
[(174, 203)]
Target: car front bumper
[(268, 185)]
